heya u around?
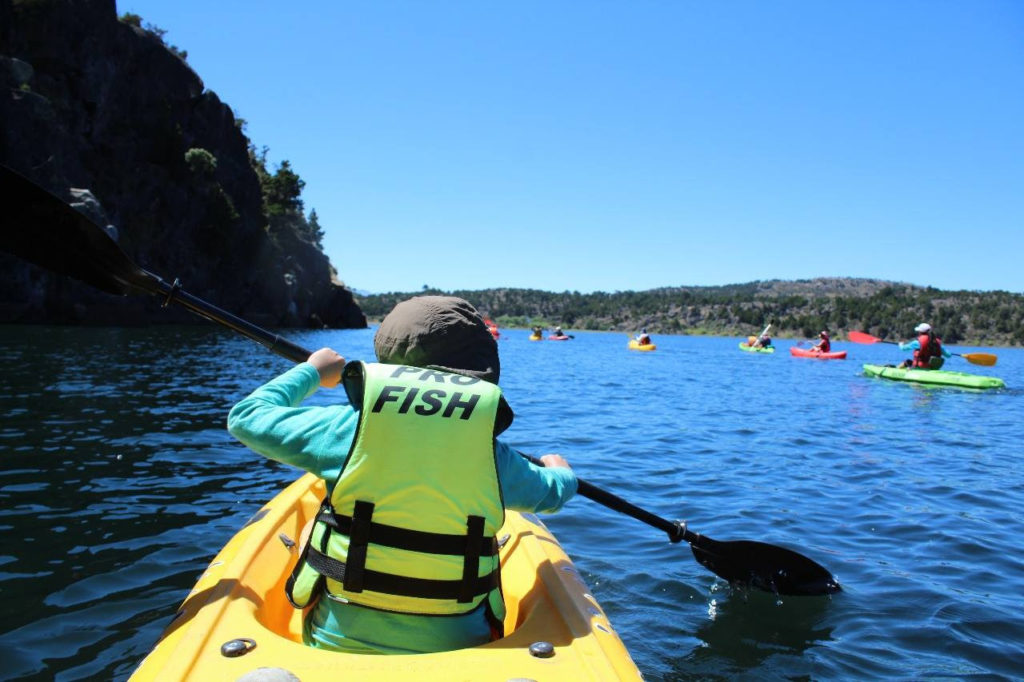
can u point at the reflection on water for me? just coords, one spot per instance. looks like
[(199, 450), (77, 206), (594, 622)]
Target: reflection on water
[(119, 484), (750, 629)]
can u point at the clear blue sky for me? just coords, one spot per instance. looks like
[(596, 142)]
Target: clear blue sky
[(630, 145)]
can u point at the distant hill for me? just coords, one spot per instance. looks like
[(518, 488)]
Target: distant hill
[(796, 309)]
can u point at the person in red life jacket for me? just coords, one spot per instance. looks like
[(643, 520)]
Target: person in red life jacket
[(823, 345), (929, 353), (413, 468), (643, 338)]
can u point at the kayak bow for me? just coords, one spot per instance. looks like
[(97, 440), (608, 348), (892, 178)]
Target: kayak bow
[(237, 620)]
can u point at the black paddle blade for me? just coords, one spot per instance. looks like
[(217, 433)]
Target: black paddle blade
[(43, 229), (765, 567)]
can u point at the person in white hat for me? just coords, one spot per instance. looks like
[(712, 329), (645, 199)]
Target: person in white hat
[(412, 463), (929, 353)]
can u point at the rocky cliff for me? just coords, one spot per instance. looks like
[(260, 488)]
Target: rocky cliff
[(102, 113)]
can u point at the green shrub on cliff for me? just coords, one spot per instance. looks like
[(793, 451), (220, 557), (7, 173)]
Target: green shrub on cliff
[(282, 202), (201, 162), (135, 20), (282, 191)]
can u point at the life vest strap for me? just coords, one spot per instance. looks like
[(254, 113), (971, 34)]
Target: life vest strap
[(387, 583), (359, 541), (414, 540), (471, 558)]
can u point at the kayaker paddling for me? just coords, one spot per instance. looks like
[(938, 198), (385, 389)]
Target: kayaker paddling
[(929, 353), (824, 344), (412, 465), (762, 340)]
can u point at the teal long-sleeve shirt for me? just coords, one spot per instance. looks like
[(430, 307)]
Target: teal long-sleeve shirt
[(317, 439)]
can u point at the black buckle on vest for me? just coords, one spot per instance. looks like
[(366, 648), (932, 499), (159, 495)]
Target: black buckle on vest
[(471, 559), (359, 540)]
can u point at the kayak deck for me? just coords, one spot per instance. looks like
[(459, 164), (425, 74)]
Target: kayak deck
[(935, 377), (241, 597)]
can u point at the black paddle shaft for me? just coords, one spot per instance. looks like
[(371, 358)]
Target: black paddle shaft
[(273, 342), (676, 530)]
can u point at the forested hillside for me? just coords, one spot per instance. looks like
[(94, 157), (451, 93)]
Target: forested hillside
[(795, 308)]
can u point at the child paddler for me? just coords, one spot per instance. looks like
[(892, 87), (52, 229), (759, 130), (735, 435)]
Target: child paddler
[(402, 557)]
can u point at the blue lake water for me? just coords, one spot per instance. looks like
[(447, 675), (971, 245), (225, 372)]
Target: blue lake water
[(119, 483)]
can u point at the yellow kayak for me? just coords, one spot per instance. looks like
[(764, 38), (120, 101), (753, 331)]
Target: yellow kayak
[(556, 629), (635, 345)]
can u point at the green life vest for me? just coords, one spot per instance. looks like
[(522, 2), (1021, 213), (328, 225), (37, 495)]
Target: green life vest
[(411, 523)]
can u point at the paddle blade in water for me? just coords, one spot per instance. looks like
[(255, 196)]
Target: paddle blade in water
[(43, 229), (861, 337), (765, 567), (986, 359)]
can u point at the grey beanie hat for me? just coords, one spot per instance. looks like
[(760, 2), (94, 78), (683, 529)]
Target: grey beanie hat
[(438, 332)]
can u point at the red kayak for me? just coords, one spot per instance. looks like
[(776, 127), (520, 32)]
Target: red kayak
[(807, 353), (564, 337)]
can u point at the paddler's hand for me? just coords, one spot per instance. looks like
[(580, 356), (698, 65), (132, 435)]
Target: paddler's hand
[(553, 460), (328, 364)]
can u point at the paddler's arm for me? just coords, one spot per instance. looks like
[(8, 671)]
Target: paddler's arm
[(911, 345), (271, 422), (530, 488)]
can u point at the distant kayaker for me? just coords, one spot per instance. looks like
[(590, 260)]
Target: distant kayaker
[(929, 353), (643, 338), (762, 341), (558, 332), (824, 344), (403, 556)]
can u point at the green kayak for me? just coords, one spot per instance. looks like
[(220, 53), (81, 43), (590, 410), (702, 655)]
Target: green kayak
[(938, 377), (769, 349)]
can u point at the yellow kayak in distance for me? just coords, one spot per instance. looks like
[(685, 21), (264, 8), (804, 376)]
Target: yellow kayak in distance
[(237, 620), (636, 345)]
